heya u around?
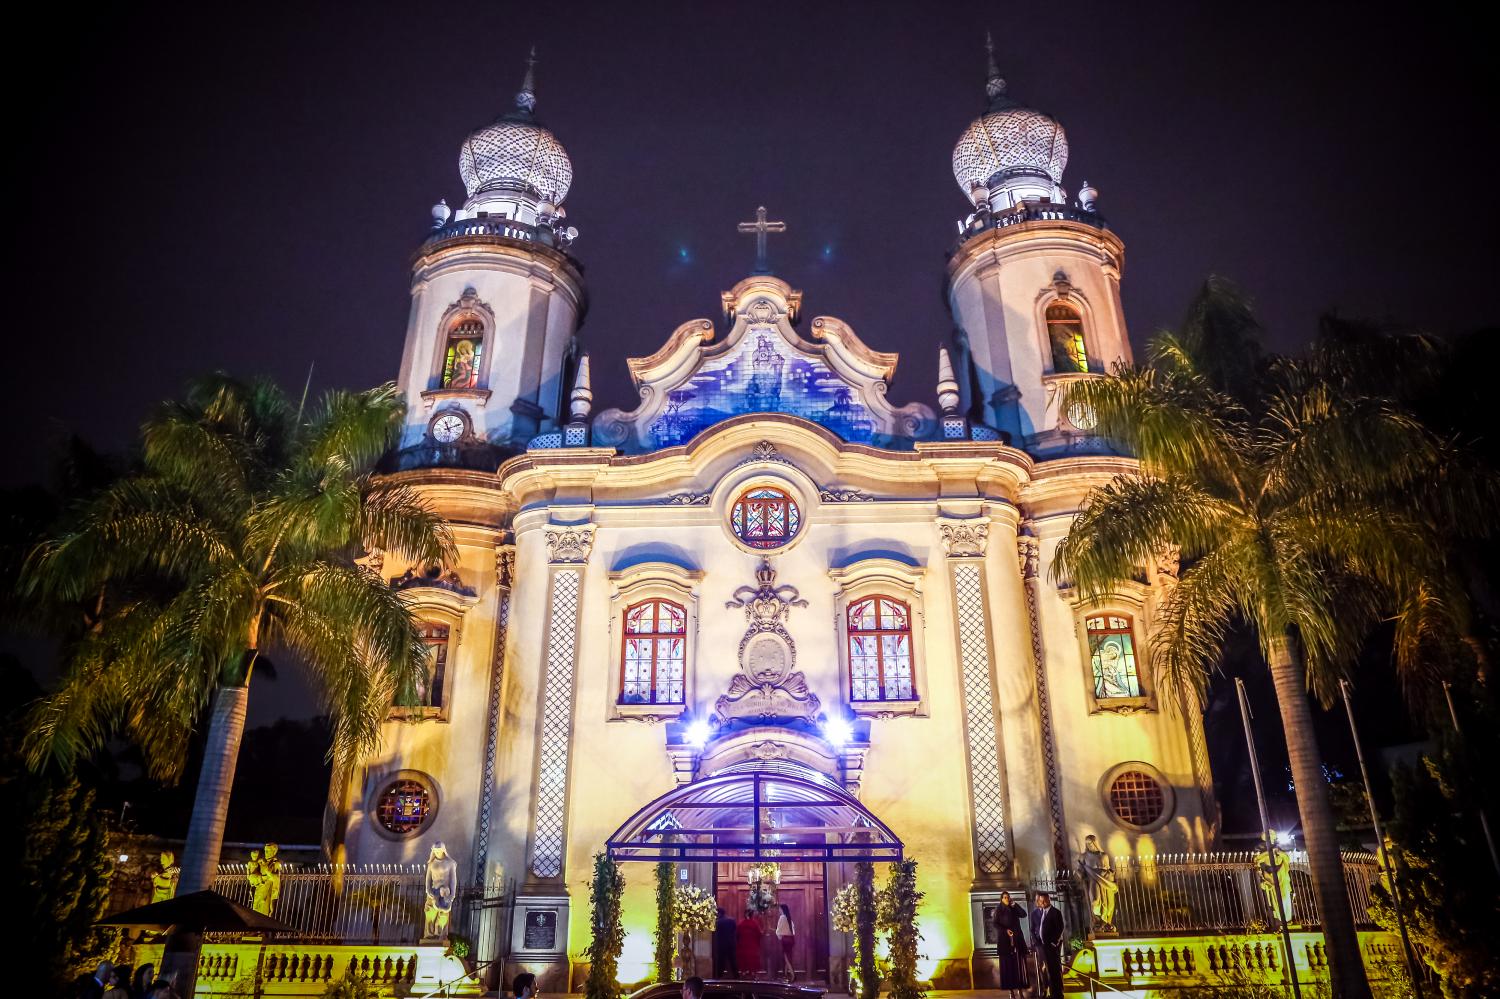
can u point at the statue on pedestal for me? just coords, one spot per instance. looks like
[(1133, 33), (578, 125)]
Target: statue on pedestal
[(1274, 868), (1098, 883), (264, 875), (164, 881), (442, 888)]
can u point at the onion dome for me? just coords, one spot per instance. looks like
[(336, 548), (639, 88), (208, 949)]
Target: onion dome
[(516, 153), (1010, 146)]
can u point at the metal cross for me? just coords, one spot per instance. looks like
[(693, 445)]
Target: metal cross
[(760, 227)]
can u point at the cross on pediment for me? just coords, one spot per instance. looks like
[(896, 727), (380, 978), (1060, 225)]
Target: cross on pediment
[(761, 227)]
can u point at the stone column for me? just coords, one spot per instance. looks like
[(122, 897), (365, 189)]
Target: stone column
[(505, 570), (964, 541), (539, 941), (1028, 551)]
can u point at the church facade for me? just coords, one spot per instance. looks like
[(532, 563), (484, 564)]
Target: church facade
[(768, 615)]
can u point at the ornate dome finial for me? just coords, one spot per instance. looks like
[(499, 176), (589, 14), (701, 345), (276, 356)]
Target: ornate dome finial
[(526, 97), (994, 86)]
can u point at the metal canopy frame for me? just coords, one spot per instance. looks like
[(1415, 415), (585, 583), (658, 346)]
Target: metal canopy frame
[(763, 811)]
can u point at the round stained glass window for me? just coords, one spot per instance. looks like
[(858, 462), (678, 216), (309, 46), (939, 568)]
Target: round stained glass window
[(404, 807), (1137, 798), (765, 517)]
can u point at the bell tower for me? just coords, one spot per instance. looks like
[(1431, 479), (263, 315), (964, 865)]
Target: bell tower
[(1034, 281), (496, 300)]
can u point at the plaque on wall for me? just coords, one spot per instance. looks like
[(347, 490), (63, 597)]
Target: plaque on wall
[(541, 929)]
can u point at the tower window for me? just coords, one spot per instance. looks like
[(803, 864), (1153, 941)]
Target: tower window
[(435, 639), (1065, 332), (765, 517), (654, 656), (1112, 657), (463, 355), (880, 650)]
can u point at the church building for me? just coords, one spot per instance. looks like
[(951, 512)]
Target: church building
[(769, 615)]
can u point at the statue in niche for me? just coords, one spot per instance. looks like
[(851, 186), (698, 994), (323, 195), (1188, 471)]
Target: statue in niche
[(1093, 865), (164, 881), (264, 874), (767, 685), (442, 888)]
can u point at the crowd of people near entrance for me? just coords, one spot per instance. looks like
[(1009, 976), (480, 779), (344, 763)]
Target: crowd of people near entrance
[(756, 946)]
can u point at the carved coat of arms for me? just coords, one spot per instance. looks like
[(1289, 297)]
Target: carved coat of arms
[(767, 685)]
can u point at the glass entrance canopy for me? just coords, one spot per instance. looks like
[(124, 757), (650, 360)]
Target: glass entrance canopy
[(759, 811)]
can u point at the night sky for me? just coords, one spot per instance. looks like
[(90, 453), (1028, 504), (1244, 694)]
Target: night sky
[(242, 188)]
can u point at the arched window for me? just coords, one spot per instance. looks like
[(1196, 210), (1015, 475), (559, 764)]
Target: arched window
[(880, 650), (462, 357), (1112, 657), (435, 638), (654, 657), (1065, 332), (765, 517)]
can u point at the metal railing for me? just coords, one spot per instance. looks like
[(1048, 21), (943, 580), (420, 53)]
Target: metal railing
[(1207, 892), (365, 903)]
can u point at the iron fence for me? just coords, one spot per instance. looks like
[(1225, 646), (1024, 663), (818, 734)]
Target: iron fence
[(1206, 892), (365, 903)]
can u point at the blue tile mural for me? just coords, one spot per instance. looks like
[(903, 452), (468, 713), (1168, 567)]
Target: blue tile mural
[(763, 375)]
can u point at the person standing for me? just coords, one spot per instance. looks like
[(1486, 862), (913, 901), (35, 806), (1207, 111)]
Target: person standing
[(1046, 937), (747, 944), (725, 933), (786, 932), (1010, 945)]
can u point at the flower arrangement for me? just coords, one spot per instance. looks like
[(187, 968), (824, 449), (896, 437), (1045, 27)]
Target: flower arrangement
[(694, 912), (763, 879)]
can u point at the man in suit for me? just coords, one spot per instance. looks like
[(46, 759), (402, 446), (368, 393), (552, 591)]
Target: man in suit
[(87, 986), (725, 928), (1046, 938)]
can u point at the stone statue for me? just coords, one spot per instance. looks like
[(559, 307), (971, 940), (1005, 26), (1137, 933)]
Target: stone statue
[(1107, 897), (164, 881), (1093, 865), (442, 887), (1275, 870), (265, 878)]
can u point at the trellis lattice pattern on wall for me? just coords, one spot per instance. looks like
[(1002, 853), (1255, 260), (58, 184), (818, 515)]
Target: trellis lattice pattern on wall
[(991, 854), (557, 714)]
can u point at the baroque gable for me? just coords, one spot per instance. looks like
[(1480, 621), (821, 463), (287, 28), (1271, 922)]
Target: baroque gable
[(763, 365)]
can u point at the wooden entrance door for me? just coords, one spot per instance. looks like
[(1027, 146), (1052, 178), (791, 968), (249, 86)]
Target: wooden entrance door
[(803, 891)]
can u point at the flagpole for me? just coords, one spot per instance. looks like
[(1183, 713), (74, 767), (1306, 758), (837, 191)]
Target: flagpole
[(1381, 852), (1265, 824), (1484, 821)]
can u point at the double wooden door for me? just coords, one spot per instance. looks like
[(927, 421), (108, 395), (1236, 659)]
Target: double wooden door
[(804, 892)]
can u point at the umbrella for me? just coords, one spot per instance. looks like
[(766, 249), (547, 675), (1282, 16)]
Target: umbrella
[(201, 911)]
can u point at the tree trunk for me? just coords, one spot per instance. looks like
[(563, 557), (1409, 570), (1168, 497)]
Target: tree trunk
[(1345, 966), (205, 838)]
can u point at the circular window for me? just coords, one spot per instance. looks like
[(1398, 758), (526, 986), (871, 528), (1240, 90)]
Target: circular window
[(1137, 797), (404, 807), (765, 517)]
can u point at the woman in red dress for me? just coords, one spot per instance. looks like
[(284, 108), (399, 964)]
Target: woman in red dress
[(747, 945)]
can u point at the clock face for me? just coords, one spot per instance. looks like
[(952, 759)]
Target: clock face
[(448, 428)]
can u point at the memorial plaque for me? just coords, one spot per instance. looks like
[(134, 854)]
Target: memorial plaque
[(541, 929)]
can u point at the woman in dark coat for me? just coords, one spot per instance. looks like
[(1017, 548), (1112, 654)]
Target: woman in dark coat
[(1010, 947), (747, 945)]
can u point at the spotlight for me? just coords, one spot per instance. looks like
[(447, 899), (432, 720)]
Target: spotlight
[(1283, 838), (697, 733), (838, 731), (124, 858)]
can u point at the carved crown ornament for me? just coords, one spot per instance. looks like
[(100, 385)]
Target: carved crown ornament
[(505, 565), (570, 545), (964, 538)]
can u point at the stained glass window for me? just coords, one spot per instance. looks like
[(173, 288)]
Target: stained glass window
[(1136, 798), (765, 517), (435, 637), (404, 807), (464, 353), (1112, 657), (1065, 331), (880, 650), (653, 656)]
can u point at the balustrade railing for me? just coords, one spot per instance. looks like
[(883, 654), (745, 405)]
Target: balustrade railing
[(1206, 892), (367, 903)]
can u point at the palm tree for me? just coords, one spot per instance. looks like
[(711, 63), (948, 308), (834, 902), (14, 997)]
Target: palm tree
[(1302, 508), (234, 536)]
